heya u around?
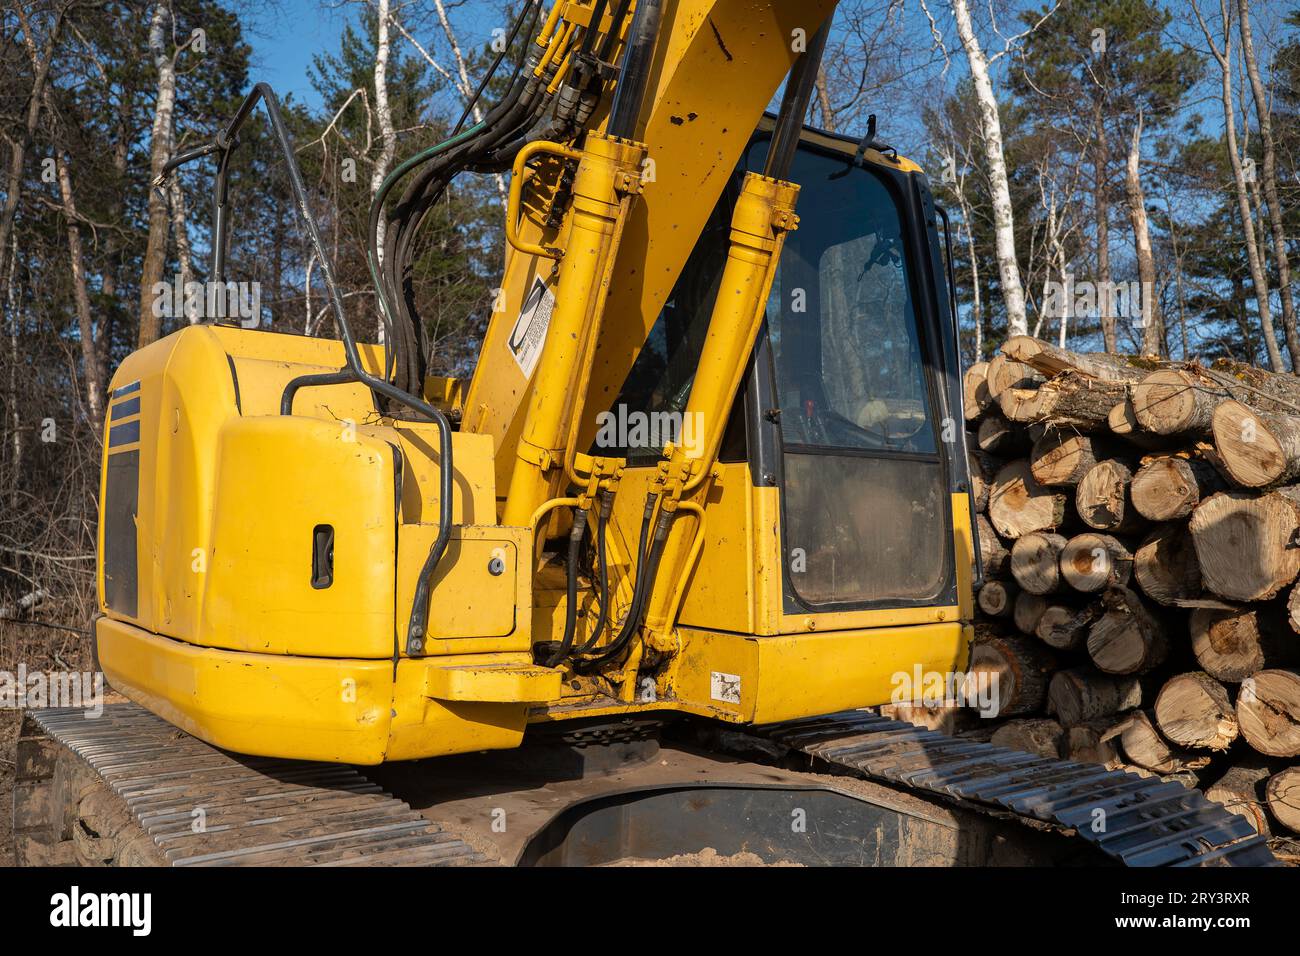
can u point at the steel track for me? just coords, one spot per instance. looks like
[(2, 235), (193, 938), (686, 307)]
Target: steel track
[(267, 812), (205, 807), (1138, 821)]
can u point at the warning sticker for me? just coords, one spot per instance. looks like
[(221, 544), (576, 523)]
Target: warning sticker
[(724, 687), (529, 334)]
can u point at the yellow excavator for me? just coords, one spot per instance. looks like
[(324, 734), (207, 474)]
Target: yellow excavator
[(629, 590)]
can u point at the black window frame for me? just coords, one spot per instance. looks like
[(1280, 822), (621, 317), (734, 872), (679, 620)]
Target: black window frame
[(910, 194)]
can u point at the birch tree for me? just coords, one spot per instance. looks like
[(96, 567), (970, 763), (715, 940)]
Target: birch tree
[(1223, 56), (160, 150), (1013, 293)]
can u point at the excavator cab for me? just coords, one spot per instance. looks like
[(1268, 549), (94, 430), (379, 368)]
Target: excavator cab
[(846, 392)]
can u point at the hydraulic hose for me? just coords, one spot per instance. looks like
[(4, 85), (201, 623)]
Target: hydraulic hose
[(602, 565), (635, 73), (571, 608), (647, 564), (535, 6)]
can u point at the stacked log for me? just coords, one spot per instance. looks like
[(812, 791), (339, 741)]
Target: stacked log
[(1140, 526)]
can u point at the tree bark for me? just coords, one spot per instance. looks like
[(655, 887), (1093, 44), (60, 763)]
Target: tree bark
[(1281, 256), (1052, 360), (42, 61), (85, 320), (1153, 339), (383, 114), (1257, 274), (160, 150), (993, 553), (1101, 207), (1084, 693), (991, 129)]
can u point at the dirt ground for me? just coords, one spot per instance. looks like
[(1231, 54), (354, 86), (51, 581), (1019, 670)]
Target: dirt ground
[(45, 649)]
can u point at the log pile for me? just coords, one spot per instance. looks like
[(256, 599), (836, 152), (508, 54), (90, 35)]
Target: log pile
[(1139, 531)]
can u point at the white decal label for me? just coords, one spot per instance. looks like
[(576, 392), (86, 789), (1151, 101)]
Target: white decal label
[(529, 334), (724, 687)]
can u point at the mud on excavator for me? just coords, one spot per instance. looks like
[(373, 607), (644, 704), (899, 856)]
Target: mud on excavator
[(632, 584)]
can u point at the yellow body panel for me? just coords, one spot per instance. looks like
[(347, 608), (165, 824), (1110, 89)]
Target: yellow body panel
[(790, 676), (343, 710)]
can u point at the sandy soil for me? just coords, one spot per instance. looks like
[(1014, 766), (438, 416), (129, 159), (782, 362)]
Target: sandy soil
[(706, 857)]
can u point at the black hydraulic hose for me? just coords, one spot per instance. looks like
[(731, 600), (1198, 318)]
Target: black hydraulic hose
[(391, 272), (421, 194), (633, 623), (644, 581), (635, 73), (571, 609), (607, 44), (643, 540), (535, 7), (794, 106), (602, 564), (589, 35)]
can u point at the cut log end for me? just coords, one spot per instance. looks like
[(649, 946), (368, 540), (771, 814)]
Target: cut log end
[(1172, 402), (1268, 707), (1193, 710), (1019, 505), (1256, 449), (1244, 543)]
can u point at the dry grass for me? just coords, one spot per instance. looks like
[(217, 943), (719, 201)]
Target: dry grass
[(40, 648)]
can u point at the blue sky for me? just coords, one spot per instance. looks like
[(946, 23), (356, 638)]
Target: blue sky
[(286, 35)]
